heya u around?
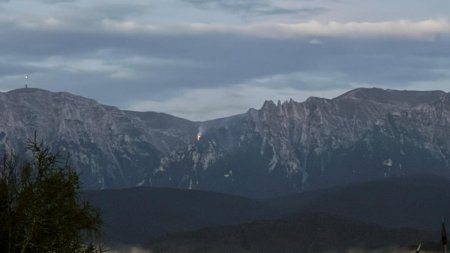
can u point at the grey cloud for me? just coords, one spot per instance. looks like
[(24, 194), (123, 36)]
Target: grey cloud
[(121, 10), (300, 12), (8, 68), (57, 1), (86, 16), (254, 7), (231, 59), (231, 5)]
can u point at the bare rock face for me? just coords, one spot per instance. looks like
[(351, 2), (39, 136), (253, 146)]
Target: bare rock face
[(285, 147), (110, 147)]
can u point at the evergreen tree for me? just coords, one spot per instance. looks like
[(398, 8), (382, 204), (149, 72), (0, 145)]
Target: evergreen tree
[(40, 210)]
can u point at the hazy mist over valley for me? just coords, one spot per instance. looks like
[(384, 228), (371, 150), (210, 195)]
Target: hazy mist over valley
[(218, 126)]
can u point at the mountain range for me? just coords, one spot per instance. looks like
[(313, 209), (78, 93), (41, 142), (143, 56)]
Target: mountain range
[(282, 148)]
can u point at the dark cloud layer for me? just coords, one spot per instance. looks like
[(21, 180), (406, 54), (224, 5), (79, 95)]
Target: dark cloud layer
[(163, 63)]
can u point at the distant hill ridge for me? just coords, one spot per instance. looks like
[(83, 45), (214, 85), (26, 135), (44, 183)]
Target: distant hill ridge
[(135, 215), (304, 232), (418, 202)]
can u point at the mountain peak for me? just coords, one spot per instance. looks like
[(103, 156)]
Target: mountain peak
[(268, 104), (360, 93), (394, 97), (27, 90), (42, 95)]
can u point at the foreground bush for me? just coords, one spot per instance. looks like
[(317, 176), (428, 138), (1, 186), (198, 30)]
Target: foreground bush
[(39, 206)]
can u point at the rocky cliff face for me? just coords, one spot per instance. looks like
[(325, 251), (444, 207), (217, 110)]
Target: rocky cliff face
[(110, 147), (285, 147), (362, 135)]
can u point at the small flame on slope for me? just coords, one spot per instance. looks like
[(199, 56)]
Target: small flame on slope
[(200, 132)]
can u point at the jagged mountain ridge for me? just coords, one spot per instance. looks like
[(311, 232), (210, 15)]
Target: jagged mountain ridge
[(281, 148), (361, 135)]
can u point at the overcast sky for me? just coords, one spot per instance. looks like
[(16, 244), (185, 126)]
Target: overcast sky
[(203, 59)]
